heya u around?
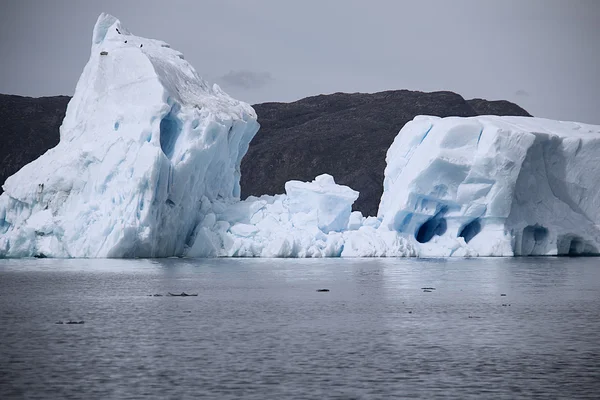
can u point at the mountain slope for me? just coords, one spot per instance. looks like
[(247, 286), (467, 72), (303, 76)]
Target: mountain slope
[(28, 127)]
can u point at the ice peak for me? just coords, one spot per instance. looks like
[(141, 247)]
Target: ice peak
[(104, 23)]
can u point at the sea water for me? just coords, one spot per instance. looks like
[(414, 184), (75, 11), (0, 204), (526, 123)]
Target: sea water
[(260, 329)]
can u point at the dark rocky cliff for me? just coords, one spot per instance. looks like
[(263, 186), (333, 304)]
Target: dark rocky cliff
[(345, 135), (28, 127)]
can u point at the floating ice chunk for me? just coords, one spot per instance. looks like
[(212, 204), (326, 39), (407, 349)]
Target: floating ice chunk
[(330, 204)]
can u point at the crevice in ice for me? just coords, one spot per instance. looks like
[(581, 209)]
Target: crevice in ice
[(170, 129), (4, 226), (435, 225), (579, 143), (479, 137), (470, 230), (426, 133)]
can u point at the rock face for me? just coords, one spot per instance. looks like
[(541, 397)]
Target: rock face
[(28, 127), (497, 107), (345, 135)]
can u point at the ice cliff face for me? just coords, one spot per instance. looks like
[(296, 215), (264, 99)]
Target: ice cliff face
[(144, 143), (494, 186)]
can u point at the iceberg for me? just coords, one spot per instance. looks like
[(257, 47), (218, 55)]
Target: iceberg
[(494, 186), (148, 165), (144, 143)]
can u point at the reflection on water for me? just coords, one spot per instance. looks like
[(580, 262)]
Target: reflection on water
[(487, 328)]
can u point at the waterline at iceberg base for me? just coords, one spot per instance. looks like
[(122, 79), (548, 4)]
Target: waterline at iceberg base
[(148, 165)]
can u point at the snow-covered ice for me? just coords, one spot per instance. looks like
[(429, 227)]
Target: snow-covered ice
[(148, 165), (144, 140)]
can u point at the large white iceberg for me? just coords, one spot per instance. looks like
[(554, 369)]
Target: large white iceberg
[(144, 141), (494, 186), (148, 165)]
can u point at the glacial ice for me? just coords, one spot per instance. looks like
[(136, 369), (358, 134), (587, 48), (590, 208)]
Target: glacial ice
[(494, 186), (144, 140), (148, 165)]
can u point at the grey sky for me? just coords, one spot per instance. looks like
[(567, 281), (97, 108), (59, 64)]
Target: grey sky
[(542, 54)]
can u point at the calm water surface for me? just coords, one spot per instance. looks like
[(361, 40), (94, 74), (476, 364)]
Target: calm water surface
[(258, 329)]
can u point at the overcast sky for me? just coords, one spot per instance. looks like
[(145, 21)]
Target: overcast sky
[(542, 54)]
